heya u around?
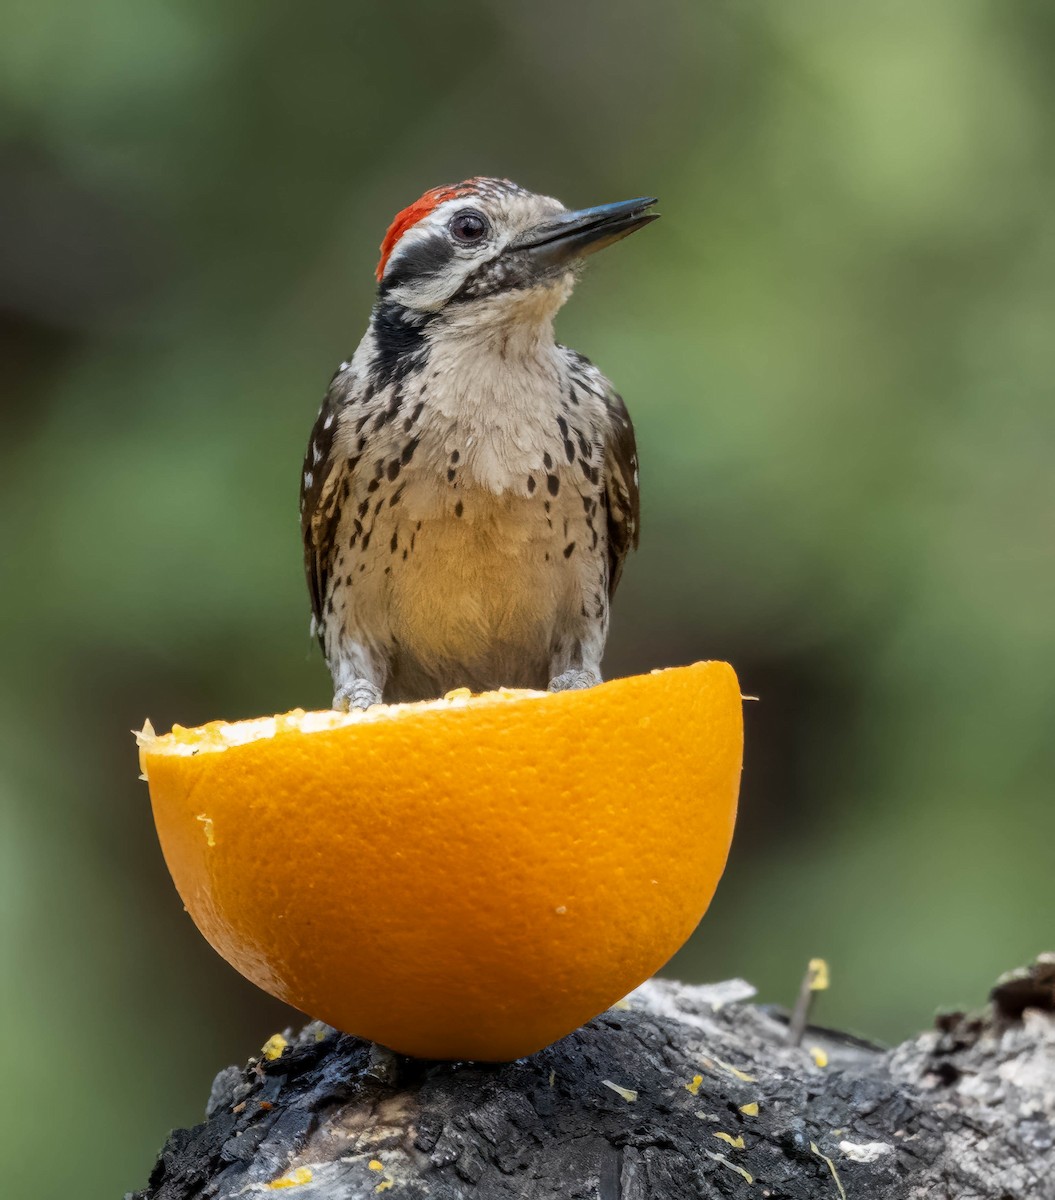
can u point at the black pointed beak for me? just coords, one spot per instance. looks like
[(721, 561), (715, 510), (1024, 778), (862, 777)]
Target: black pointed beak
[(572, 235)]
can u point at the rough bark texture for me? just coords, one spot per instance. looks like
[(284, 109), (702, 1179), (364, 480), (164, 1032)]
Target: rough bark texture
[(652, 1101)]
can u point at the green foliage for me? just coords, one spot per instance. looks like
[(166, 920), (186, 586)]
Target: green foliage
[(837, 349)]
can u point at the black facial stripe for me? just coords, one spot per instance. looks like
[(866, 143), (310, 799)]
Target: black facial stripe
[(400, 338), (422, 259), (506, 273)]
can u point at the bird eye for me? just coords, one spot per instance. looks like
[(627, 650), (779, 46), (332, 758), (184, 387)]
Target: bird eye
[(468, 226)]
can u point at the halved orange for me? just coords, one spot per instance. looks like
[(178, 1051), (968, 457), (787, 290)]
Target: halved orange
[(471, 877)]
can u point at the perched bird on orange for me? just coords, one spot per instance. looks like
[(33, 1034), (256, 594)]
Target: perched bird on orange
[(472, 876)]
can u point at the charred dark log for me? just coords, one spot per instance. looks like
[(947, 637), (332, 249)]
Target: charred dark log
[(687, 1092)]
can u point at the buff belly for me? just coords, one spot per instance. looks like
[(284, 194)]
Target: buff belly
[(476, 594), (479, 599)]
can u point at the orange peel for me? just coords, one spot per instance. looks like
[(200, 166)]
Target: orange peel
[(473, 877)]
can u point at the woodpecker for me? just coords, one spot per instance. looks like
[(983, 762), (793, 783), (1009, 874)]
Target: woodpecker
[(470, 488)]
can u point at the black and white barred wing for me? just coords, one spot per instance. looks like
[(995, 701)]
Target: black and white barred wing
[(323, 485), (622, 497)]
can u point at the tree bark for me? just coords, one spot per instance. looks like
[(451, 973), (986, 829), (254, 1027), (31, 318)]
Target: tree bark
[(685, 1092)]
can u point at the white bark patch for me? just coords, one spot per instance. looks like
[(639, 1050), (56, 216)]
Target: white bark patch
[(865, 1152)]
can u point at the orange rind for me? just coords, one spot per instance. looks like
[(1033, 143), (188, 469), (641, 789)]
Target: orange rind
[(466, 878)]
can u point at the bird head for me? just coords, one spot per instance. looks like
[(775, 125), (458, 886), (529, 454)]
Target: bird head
[(491, 240)]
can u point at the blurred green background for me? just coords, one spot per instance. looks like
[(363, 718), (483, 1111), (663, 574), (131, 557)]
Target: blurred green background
[(839, 351)]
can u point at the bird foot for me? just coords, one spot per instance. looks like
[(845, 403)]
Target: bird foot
[(572, 681), (358, 694)]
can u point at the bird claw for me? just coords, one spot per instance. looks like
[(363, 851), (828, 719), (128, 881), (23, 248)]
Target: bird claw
[(573, 681), (357, 695)]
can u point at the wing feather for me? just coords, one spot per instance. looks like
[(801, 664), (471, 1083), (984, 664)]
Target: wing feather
[(322, 492), (622, 495)]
